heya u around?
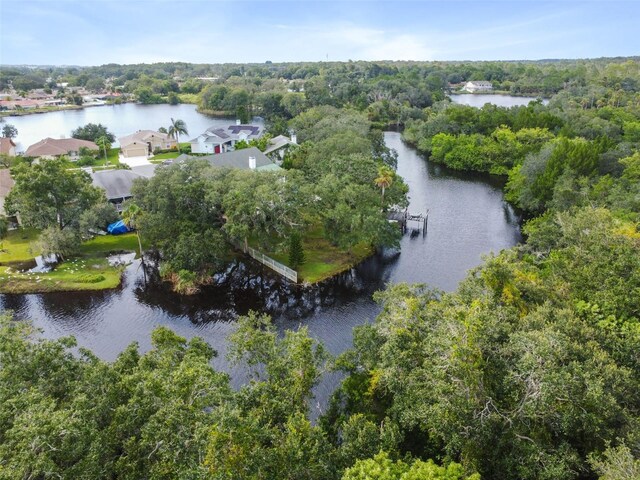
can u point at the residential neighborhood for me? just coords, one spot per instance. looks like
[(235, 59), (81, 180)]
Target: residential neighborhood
[(138, 156)]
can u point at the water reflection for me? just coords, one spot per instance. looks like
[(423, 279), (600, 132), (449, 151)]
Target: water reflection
[(468, 217)]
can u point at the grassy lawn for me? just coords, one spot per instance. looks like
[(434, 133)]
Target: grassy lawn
[(188, 97), (164, 156), (17, 246), (78, 274), (112, 156), (102, 244), (322, 259), (87, 271)]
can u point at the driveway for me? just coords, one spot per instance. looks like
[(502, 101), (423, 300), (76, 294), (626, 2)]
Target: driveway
[(134, 161)]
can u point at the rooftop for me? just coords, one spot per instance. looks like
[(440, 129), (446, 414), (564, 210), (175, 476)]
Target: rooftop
[(141, 136), (6, 183), (237, 159), (116, 183), (61, 146), (6, 144)]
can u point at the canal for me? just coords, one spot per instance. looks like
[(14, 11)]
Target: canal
[(468, 218)]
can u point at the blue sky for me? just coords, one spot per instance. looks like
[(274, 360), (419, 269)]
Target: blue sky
[(94, 32)]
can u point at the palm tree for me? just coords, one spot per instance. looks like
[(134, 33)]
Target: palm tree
[(177, 128), (130, 216), (104, 143), (384, 180)]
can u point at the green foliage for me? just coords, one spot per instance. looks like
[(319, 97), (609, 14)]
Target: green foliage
[(92, 132), (54, 241), (98, 217), (48, 194), (74, 416), (9, 131), (4, 227), (526, 369), (617, 463), (267, 434), (177, 128), (296, 253), (381, 467), (146, 96)]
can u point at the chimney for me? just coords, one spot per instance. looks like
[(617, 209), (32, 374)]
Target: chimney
[(238, 122), (252, 163), (294, 138)]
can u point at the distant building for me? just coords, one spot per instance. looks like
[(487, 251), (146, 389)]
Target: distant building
[(245, 159), (220, 140), (478, 86), (7, 147), (20, 104), (52, 148), (144, 142)]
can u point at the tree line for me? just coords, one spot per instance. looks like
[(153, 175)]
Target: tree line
[(529, 370)]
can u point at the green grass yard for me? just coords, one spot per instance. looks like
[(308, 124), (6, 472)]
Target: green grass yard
[(322, 259), (16, 247), (89, 270), (78, 274)]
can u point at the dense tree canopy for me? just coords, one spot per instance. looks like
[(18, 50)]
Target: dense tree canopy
[(92, 132), (529, 370), (47, 194)]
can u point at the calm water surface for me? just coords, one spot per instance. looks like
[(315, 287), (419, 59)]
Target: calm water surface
[(468, 218), (121, 120), (479, 99)]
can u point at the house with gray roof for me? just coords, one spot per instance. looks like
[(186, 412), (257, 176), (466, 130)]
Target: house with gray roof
[(116, 184), (219, 140), (278, 146), (246, 159)]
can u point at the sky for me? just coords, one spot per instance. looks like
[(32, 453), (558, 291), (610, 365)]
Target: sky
[(95, 32)]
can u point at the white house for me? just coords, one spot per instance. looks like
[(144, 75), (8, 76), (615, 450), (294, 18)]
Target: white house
[(478, 86), (220, 140)]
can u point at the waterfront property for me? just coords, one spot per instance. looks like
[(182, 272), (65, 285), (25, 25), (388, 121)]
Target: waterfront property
[(219, 140), (51, 148), (478, 86), (116, 184), (246, 158), (144, 142)]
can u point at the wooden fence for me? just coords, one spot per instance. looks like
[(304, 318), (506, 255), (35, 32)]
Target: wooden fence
[(269, 262)]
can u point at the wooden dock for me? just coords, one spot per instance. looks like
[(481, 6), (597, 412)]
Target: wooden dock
[(410, 221)]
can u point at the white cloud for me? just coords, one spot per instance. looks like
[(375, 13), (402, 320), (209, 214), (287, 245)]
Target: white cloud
[(346, 40)]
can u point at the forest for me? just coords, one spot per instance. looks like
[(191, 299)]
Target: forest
[(529, 370)]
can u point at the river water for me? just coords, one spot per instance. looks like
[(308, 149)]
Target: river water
[(468, 218), (479, 99)]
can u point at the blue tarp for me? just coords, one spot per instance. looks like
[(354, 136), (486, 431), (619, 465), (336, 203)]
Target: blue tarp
[(117, 228)]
